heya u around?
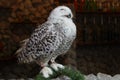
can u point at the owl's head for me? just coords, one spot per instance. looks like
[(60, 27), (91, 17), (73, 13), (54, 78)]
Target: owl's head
[(61, 12)]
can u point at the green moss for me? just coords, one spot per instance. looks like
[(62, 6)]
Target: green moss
[(73, 74)]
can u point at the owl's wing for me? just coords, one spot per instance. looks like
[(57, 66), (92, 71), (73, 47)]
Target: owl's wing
[(42, 42), (22, 45)]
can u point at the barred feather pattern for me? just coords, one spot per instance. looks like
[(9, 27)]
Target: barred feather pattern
[(47, 41)]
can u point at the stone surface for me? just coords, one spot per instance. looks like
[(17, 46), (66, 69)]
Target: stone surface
[(116, 77), (99, 76), (102, 76), (91, 77)]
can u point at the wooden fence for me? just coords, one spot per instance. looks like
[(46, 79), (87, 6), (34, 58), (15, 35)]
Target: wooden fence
[(98, 28)]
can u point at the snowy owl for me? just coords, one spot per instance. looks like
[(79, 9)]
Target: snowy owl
[(49, 40)]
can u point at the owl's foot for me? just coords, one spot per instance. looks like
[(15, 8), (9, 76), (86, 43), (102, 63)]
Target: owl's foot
[(57, 66), (46, 72)]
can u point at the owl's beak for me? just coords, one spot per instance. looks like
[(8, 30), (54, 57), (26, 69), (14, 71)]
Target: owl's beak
[(68, 16), (74, 19)]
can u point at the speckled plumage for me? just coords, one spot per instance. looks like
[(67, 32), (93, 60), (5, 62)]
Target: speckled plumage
[(49, 40)]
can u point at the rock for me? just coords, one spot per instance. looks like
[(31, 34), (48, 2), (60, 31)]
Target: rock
[(116, 77), (102, 76), (62, 78), (90, 77)]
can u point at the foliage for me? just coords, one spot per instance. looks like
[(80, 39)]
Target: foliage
[(73, 74)]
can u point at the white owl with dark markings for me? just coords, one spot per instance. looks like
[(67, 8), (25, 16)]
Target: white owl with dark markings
[(49, 40)]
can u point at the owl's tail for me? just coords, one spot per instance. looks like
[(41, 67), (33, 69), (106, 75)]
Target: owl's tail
[(21, 55)]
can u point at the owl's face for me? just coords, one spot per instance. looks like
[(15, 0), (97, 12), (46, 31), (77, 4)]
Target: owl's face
[(61, 12)]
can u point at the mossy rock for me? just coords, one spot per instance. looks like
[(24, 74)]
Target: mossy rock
[(71, 73)]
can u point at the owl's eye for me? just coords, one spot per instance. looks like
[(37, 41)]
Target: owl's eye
[(61, 9)]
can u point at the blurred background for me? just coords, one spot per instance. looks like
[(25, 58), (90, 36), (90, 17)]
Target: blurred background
[(96, 48)]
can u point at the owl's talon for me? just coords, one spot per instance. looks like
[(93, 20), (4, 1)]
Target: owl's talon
[(56, 66), (46, 72)]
